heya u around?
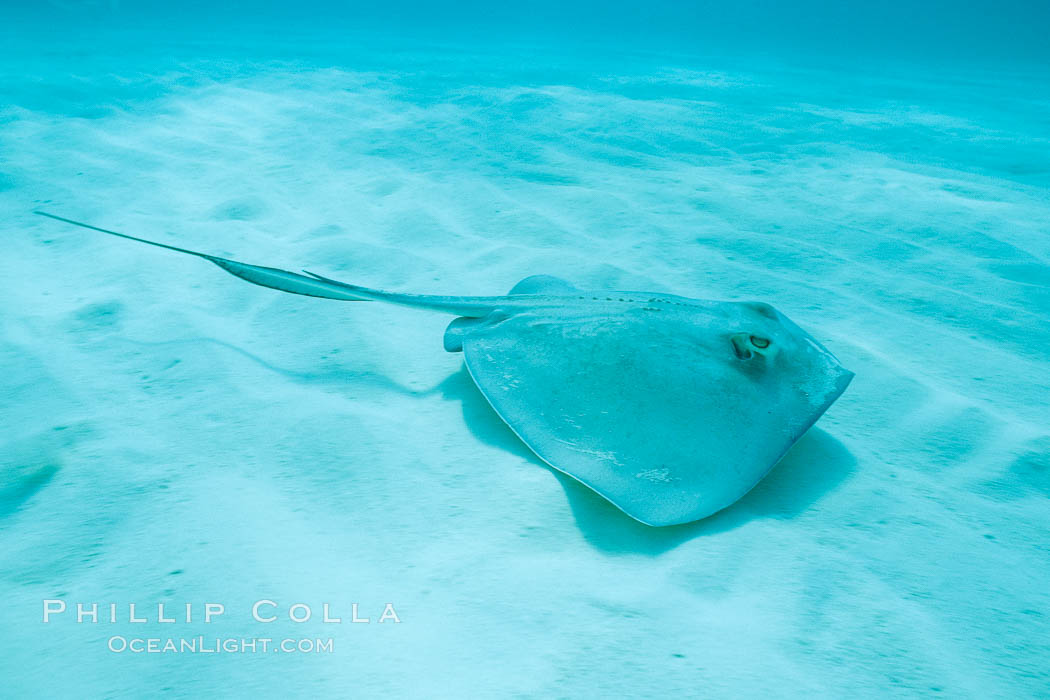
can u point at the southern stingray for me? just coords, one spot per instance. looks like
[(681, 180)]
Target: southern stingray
[(671, 408)]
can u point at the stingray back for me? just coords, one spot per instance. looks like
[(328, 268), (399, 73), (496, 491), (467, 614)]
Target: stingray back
[(643, 412)]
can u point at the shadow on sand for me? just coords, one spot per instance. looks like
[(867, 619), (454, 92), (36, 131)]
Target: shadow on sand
[(815, 465)]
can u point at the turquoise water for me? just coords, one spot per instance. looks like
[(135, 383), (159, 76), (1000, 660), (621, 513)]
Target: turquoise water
[(173, 435)]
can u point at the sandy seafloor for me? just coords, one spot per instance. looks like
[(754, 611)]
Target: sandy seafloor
[(172, 434)]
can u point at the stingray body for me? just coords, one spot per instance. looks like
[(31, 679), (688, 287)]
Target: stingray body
[(671, 408)]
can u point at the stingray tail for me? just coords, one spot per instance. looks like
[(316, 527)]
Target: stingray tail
[(314, 285)]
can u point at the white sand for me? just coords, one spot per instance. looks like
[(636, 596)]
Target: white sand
[(173, 434)]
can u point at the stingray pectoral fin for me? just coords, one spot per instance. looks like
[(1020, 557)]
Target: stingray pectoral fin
[(457, 330), (543, 284)]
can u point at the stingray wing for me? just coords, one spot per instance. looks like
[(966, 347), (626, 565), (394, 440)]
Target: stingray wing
[(641, 411)]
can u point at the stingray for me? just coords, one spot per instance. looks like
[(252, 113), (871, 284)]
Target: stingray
[(669, 407)]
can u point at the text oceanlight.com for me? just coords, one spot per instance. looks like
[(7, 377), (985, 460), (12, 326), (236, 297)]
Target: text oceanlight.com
[(218, 645)]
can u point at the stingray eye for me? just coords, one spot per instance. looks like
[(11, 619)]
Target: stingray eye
[(759, 342)]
